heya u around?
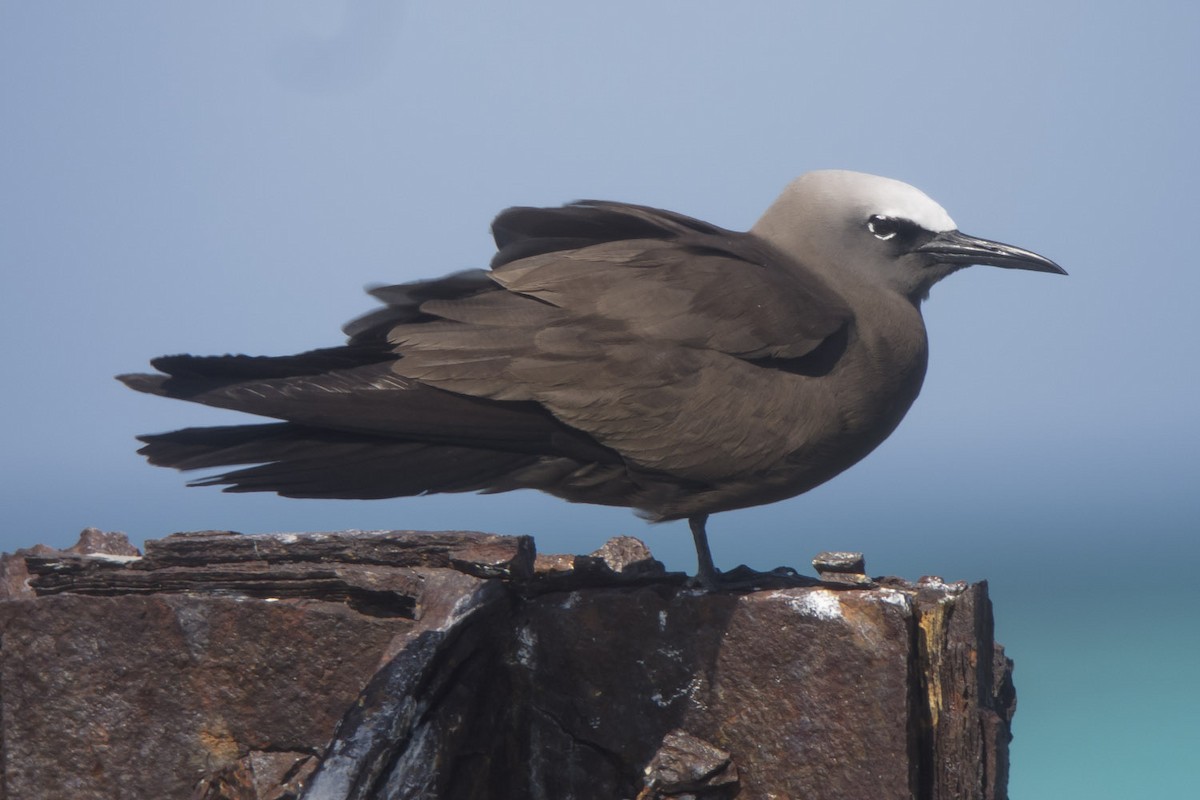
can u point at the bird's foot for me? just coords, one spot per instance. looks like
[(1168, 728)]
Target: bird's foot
[(745, 579)]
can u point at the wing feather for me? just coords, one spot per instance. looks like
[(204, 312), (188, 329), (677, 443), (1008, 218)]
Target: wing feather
[(661, 337), (614, 354)]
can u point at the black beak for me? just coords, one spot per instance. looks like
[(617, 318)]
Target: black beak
[(955, 247)]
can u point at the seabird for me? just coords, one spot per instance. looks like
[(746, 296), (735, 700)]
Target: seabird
[(614, 354)]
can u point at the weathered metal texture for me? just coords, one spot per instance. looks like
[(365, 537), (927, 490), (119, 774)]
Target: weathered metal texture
[(354, 671)]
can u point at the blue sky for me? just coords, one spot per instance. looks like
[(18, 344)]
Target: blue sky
[(227, 177)]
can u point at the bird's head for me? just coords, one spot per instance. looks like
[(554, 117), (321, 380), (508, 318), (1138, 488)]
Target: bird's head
[(882, 229)]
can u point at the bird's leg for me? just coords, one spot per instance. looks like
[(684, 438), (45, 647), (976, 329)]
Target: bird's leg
[(706, 573)]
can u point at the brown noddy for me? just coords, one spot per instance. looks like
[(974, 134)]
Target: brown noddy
[(613, 354)]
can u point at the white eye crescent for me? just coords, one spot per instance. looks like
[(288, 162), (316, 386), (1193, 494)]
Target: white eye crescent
[(883, 227)]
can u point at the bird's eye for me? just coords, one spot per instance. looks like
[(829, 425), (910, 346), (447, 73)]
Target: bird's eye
[(883, 227)]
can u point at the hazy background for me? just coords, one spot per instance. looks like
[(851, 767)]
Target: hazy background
[(226, 177)]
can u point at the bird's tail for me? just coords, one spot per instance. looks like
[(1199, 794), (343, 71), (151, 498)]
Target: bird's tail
[(300, 461), (353, 428)]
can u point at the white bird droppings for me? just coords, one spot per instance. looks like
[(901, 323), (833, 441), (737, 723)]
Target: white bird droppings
[(526, 642), (893, 597), (819, 603)]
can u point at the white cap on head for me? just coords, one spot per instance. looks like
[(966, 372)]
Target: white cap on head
[(876, 195)]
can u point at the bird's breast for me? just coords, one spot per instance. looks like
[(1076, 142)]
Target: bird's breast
[(883, 370)]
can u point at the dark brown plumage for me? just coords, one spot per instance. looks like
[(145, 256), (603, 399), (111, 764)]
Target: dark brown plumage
[(614, 354)]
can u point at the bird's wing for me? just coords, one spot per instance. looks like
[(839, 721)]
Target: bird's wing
[(667, 277), (353, 390), (402, 303), (660, 336)]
